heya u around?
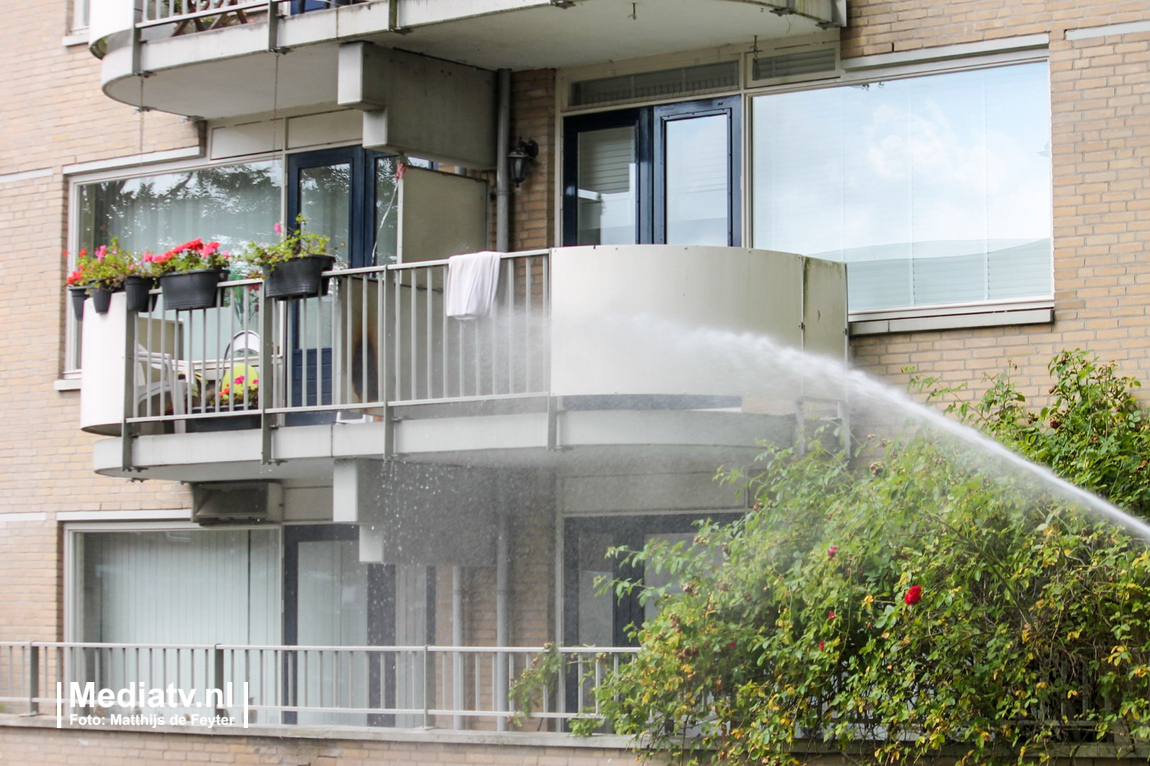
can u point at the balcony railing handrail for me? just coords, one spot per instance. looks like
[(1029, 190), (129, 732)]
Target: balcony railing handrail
[(325, 647)]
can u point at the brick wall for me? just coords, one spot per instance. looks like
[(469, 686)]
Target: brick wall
[(54, 115), (1100, 153)]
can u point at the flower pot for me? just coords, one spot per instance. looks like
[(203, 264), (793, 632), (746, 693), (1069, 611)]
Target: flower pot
[(101, 299), (299, 277), (223, 422), (138, 290), (194, 289), (78, 296)]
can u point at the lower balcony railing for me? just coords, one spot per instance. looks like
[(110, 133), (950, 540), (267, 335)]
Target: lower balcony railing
[(456, 687)]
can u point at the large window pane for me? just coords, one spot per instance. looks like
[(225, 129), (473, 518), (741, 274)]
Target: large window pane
[(934, 189), (233, 204), (698, 187)]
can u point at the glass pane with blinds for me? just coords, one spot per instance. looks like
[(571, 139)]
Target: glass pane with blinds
[(697, 181), (232, 204), (607, 187), (935, 190), (177, 587)]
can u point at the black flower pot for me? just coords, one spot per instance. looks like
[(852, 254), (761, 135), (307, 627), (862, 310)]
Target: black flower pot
[(224, 422), (101, 299), (188, 290), (299, 277), (138, 291), (78, 296)]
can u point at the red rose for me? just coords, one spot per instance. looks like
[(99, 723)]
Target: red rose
[(821, 645), (913, 596)]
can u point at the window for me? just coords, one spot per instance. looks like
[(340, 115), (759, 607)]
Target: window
[(934, 189), (592, 618), (664, 174), (79, 15), (230, 203)]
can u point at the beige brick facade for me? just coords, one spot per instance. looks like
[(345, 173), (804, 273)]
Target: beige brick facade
[(55, 116)]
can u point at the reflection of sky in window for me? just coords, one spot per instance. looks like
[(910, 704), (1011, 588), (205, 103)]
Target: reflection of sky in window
[(937, 167)]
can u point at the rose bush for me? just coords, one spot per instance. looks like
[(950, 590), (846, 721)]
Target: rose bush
[(922, 605)]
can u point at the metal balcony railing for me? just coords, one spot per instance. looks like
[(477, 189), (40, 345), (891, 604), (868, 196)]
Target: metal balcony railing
[(200, 15), (371, 686), (381, 338)]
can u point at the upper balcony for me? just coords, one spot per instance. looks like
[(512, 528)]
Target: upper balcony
[(627, 356), (217, 58)]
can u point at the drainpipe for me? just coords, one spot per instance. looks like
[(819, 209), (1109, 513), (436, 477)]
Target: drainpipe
[(502, 171), (502, 572)]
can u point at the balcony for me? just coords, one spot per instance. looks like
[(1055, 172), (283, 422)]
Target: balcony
[(620, 355), (216, 58), (411, 687)]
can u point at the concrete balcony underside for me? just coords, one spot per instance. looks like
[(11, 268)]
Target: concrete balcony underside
[(632, 440), (231, 72)]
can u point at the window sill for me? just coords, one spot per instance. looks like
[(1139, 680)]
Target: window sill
[(67, 384), (952, 317), (77, 37)]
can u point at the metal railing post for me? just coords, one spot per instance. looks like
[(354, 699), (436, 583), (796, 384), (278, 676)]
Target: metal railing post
[(428, 673), (218, 679), (33, 679)]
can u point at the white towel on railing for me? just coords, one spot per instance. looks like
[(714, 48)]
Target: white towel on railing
[(472, 280)]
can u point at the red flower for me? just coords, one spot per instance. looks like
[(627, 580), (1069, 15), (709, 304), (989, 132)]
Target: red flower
[(731, 645), (822, 644), (913, 596), (831, 551), (831, 614)]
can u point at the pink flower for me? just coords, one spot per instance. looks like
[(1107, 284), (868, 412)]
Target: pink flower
[(831, 551), (277, 228), (210, 248), (239, 381), (913, 596), (101, 251)]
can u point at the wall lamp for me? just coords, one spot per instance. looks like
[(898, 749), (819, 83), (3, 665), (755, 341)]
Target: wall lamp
[(521, 156)]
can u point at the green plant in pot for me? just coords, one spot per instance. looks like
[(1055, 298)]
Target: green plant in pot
[(293, 267), (77, 283), (190, 273), (100, 273)]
